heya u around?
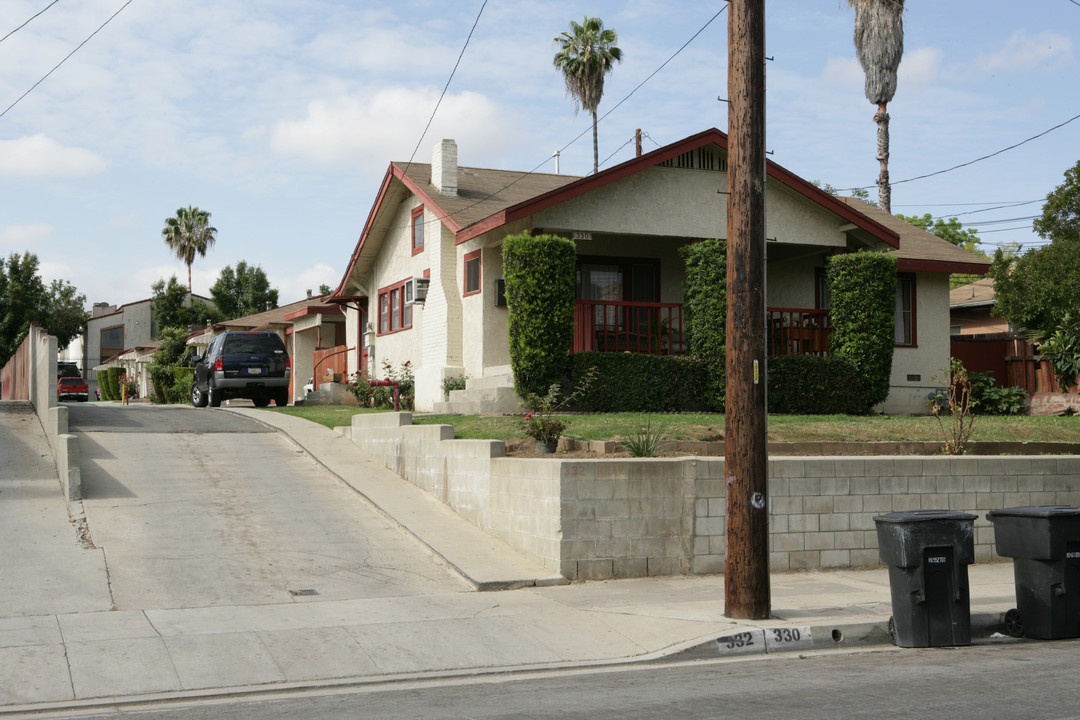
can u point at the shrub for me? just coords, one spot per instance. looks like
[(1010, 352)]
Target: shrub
[(812, 385), (113, 381), (382, 396), (637, 382), (862, 302), (988, 399), (540, 281), (450, 384), (647, 441), (705, 312)]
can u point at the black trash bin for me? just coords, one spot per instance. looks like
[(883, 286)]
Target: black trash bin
[(928, 553), (1044, 542)]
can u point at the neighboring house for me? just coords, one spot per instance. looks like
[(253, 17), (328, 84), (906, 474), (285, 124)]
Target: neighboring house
[(314, 334), (438, 229), (971, 310)]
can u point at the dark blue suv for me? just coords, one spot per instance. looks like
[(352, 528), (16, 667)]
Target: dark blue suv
[(252, 364)]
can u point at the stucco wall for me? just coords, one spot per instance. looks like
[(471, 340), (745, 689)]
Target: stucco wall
[(590, 519), (930, 359)]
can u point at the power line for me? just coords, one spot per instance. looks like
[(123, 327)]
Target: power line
[(28, 21), (447, 85), (972, 162), (2, 114)]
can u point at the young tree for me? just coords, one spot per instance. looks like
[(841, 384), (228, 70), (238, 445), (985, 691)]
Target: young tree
[(586, 54), (879, 43), (244, 291), (188, 234), (24, 299)]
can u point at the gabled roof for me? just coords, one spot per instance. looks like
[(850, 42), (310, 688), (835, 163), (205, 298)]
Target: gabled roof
[(278, 316), (922, 250), (488, 199)]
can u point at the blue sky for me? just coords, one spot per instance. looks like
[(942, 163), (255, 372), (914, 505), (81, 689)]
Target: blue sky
[(280, 117)]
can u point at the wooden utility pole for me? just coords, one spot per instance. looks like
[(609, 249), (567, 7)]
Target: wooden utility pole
[(746, 571)]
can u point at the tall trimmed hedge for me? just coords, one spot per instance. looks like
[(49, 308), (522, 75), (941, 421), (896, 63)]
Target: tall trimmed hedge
[(113, 382), (103, 384), (638, 382), (540, 280), (862, 307), (705, 312)]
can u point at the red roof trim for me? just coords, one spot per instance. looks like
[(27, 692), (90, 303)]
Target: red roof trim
[(592, 182), (939, 266)]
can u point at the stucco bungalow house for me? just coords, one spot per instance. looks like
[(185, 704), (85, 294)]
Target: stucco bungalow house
[(424, 283)]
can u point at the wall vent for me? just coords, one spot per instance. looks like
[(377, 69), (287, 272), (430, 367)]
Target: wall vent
[(706, 158)]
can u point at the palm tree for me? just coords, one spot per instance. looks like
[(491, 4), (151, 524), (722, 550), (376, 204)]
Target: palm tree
[(879, 43), (188, 234), (585, 56)]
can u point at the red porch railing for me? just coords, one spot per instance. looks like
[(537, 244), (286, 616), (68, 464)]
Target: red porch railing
[(329, 360), (657, 328), (654, 328), (797, 331)]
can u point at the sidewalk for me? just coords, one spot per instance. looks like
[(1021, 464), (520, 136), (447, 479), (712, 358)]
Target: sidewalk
[(62, 646)]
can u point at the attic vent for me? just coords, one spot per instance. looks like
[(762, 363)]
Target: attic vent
[(706, 158)]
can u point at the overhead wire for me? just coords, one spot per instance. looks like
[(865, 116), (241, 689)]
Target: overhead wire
[(32, 17), (32, 87)]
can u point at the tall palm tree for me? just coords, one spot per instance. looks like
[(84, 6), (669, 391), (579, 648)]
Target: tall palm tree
[(879, 43), (586, 54), (189, 233)]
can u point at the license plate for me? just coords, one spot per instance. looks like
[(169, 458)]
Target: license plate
[(254, 371)]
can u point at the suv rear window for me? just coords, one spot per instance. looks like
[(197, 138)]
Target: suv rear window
[(252, 344), (71, 381)]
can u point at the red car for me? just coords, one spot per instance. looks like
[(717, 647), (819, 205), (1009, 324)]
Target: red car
[(72, 388)]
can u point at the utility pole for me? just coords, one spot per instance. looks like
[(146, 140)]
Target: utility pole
[(746, 570)]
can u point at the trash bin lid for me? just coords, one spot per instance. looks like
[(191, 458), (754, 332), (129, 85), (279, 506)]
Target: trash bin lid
[(1035, 511), (910, 516)]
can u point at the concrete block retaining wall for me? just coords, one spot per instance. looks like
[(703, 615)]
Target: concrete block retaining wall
[(622, 517)]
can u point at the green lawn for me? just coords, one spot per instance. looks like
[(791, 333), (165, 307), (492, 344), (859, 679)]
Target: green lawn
[(691, 426)]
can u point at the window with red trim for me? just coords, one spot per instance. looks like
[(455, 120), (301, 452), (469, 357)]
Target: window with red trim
[(394, 312), (905, 310), (418, 230), (472, 273)]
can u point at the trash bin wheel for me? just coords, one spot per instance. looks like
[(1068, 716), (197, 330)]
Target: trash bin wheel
[(1014, 627), (892, 630)]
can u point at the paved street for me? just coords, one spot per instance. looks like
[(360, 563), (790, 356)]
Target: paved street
[(198, 508)]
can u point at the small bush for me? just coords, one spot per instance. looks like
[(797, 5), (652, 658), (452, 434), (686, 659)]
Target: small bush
[(812, 385), (647, 441), (450, 384), (636, 382), (988, 399)]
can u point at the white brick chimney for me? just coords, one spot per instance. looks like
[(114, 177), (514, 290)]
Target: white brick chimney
[(444, 167)]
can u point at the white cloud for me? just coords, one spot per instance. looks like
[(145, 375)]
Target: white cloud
[(22, 237), (919, 68), (842, 72), (295, 288), (1025, 52), (41, 156), (348, 129)]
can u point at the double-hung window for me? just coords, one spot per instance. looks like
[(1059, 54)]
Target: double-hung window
[(472, 273), (905, 310), (395, 310), (418, 230)]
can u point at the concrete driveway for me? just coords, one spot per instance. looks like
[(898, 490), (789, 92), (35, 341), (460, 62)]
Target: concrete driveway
[(198, 508)]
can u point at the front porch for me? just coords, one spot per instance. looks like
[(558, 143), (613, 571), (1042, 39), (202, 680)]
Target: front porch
[(657, 328)]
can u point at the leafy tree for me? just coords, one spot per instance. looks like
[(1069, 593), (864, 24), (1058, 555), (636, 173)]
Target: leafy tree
[(244, 291), (173, 309), (586, 54), (859, 193), (879, 43), (173, 353), (25, 299), (1060, 219), (1036, 290), (325, 289), (188, 234)]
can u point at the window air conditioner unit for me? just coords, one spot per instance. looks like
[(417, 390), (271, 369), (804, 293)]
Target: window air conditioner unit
[(416, 290)]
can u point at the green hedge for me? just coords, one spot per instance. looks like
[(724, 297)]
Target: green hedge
[(103, 384), (705, 312), (540, 280), (862, 310), (812, 385), (637, 382), (113, 382)]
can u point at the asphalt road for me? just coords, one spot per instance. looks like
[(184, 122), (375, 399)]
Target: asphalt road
[(1008, 680), (197, 508)]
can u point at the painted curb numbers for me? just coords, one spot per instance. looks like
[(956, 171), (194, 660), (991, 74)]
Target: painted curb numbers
[(757, 640)]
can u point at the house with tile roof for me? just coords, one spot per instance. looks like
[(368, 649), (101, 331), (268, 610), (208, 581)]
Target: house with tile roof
[(424, 282)]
